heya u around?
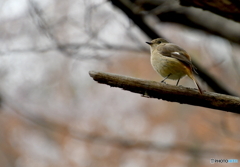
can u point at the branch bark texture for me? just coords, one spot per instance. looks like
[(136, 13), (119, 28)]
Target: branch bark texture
[(153, 89)]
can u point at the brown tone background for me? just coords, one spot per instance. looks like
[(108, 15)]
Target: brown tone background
[(54, 114)]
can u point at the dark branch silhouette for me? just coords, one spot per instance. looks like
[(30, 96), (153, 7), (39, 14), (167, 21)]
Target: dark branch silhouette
[(227, 8)]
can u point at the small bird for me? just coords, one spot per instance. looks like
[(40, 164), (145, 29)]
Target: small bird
[(171, 61)]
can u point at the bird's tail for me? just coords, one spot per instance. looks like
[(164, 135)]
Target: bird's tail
[(195, 82)]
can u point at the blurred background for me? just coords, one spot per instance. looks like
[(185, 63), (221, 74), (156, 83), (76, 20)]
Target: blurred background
[(54, 114)]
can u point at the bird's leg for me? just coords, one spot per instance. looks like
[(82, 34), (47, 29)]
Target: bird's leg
[(178, 81), (166, 78)]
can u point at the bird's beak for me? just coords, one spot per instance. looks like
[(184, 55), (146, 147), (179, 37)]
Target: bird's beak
[(149, 43)]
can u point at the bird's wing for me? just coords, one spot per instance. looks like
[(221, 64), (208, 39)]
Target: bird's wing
[(174, 51)]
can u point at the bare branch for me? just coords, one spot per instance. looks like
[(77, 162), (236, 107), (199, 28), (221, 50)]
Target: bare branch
[(225, 8), (171, 93)]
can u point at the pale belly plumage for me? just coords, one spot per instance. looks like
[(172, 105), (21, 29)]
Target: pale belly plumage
[(167, 65)]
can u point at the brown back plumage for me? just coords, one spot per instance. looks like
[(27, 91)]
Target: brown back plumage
[(174, 51)]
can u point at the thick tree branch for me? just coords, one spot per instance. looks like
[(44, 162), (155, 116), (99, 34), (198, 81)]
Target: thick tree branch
[(172, 11), (226, 8), (196, 18), (171, 93)]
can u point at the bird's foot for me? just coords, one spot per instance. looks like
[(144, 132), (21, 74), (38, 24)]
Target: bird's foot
[(163, 82)]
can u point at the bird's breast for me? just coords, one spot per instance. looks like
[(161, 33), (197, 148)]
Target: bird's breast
[(167, 65)]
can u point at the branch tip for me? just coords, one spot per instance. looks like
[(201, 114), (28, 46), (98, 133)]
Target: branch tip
[(92, 73)]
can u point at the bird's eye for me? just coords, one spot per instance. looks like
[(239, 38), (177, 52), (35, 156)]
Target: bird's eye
[(159, 42)]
